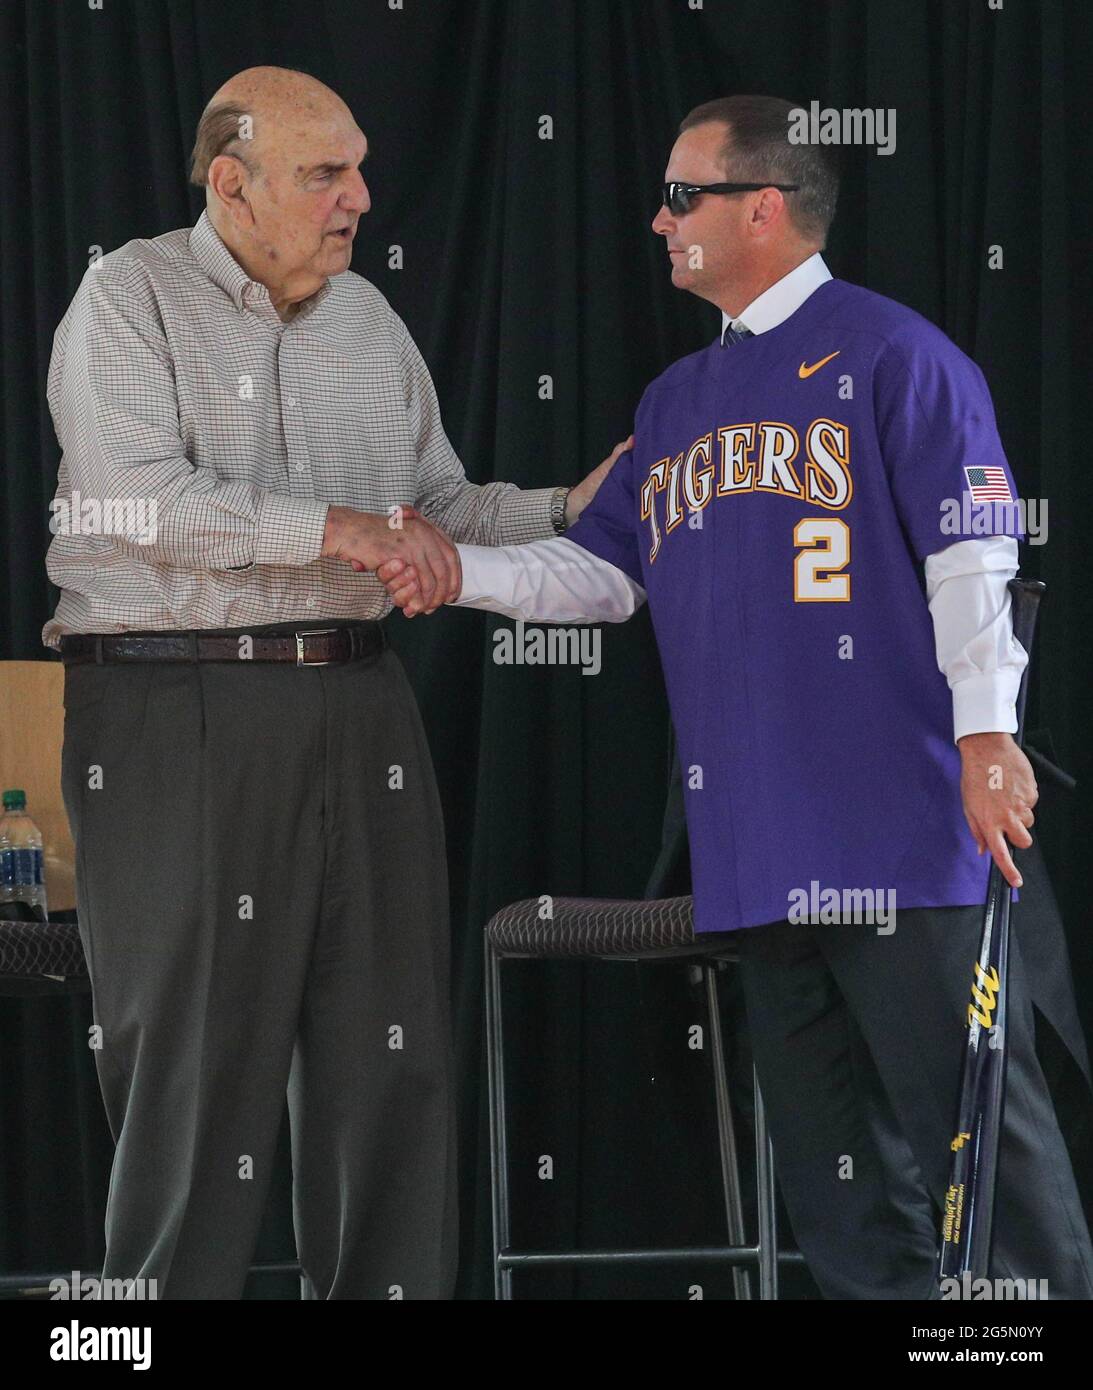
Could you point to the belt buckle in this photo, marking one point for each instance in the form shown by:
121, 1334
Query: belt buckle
316, 632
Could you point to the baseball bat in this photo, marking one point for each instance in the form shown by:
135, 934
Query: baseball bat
968, 1216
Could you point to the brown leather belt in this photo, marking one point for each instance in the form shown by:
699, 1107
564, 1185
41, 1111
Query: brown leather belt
305, 647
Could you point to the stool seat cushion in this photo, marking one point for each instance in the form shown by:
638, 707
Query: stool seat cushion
30, 951
602, 927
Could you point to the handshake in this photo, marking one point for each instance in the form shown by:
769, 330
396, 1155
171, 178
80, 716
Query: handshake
414, 560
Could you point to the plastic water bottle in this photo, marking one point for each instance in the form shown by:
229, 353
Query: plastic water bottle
5, 891
21, 855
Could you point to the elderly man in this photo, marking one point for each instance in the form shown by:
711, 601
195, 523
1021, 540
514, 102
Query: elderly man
842, 674
261, 877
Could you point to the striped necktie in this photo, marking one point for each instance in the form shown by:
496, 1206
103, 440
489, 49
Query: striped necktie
734, 335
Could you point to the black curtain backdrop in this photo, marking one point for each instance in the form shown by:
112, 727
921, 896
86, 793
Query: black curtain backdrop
524, 257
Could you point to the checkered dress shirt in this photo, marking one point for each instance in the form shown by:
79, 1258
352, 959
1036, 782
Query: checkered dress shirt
181, 400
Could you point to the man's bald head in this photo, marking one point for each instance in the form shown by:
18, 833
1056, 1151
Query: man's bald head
279, 156
256, 99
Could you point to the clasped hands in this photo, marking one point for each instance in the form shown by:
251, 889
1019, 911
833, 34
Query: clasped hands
414, 559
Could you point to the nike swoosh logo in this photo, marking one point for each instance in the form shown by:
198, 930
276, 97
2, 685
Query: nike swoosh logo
803, 371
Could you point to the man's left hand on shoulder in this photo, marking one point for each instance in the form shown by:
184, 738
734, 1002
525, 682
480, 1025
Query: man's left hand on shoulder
998, 787
580, 496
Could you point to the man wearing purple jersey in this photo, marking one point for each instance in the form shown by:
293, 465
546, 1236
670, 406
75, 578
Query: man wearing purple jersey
837, 647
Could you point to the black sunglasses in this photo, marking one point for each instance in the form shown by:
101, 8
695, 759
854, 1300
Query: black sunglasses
680, 197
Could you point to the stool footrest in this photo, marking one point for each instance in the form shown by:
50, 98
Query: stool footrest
720, 1254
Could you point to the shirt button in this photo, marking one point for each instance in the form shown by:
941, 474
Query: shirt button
291, 401
299, 468
311, 603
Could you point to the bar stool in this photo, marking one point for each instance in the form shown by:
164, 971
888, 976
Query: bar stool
43, 958
656, 930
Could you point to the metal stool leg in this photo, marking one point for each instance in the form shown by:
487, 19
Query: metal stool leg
726, 1134
499, 1172
768, 1216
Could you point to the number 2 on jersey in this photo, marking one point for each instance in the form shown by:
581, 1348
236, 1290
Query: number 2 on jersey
826, 542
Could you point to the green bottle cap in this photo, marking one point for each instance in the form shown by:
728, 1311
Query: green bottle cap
15, 799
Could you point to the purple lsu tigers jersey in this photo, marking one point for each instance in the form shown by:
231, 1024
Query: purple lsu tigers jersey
777, 505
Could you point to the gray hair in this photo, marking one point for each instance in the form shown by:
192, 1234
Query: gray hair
218, 133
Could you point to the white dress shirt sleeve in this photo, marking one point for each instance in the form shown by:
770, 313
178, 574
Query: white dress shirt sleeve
552, 580
973, 631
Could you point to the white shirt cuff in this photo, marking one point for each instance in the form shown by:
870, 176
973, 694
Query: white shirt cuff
986, 704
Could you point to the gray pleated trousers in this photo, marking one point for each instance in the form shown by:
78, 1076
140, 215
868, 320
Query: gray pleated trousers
263, 902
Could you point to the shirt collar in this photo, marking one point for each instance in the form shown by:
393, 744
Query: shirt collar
781, 299
224, 270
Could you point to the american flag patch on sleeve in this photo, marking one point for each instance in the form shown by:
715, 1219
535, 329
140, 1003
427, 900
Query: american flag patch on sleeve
988, 485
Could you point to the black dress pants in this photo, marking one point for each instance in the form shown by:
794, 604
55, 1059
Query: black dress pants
857, 1038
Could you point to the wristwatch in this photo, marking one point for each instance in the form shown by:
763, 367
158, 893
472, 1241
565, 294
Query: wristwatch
557, 509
